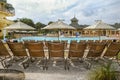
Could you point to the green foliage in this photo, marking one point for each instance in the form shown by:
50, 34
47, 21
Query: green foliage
50, 22
39, 25
116, 25
105, 72
118, 55
28, 22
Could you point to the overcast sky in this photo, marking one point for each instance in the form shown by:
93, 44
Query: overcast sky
87, 11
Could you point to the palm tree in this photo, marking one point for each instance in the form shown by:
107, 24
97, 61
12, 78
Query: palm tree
105, 72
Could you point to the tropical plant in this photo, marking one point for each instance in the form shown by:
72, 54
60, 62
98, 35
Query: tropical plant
104, 72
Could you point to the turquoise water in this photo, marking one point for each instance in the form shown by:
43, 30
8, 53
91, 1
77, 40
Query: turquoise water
37, 38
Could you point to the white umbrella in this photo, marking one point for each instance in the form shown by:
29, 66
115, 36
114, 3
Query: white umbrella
58, 25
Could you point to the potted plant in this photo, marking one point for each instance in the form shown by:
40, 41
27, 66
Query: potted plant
105, 72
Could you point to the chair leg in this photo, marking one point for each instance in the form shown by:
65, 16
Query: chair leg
25, 63
6, 64
32, 60
3, 64
46, 64
66, 66
88, 64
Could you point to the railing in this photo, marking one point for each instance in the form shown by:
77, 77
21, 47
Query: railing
8, 11
8, 8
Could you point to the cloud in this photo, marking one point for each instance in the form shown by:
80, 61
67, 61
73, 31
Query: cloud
51, 10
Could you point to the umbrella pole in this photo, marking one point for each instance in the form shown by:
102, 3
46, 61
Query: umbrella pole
99, 35
58, 34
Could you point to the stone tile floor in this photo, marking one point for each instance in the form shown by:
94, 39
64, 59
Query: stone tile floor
34, 72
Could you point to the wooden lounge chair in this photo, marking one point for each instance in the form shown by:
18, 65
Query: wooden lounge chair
112, 51
19, 52
56, 53
95, 52
36, 50
4, 54
76, 51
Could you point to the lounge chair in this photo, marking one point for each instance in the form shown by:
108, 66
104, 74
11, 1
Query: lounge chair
95, 52
76, 51
19, 53
56, 53
36, 50
112, 51
4, 55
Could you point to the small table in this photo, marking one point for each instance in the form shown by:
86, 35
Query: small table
11, 74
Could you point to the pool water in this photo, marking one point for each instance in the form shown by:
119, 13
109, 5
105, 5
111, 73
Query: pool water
40, 38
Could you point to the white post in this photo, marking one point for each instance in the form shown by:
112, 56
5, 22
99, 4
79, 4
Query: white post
4, 34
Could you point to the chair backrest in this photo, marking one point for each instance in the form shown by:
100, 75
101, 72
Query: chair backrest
82, 40
113, 49
3, 50
73, 41
108, 42
56, 41
96, 49
97, 41
56, 49
89, 43
77, 49
18, 49
36, 49
27, 41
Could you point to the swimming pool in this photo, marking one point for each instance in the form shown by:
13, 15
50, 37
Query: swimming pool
40, 38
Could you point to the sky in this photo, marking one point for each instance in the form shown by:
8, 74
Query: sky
86, 11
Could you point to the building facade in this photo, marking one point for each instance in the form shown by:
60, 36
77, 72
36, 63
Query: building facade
6, 10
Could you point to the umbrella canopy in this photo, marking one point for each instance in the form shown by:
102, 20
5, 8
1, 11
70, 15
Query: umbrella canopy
19, 26
58, 25
100, 25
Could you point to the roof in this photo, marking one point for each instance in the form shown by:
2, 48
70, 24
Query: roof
74, 19
19, 26
58, 25
99, 25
